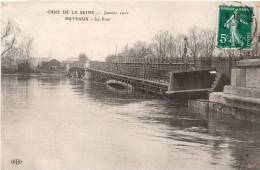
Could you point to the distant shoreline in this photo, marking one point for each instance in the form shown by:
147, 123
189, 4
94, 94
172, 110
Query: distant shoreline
35, 74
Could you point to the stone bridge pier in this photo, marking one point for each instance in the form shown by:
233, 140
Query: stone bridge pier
241, 99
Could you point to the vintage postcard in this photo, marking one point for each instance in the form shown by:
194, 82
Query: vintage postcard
130, 85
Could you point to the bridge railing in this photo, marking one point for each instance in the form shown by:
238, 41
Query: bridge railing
151, 71
158, 69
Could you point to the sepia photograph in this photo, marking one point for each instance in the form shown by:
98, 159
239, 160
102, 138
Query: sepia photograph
130, 85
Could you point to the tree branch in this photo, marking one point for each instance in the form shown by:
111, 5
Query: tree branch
7, 49
6, 31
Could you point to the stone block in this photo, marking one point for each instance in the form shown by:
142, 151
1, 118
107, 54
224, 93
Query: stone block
220, 111
233, 76
249, 63
199, 107
253, 77
217, 97
238, 77
256, 93
231, 100
242, 91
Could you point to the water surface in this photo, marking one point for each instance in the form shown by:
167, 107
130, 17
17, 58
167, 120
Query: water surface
62, 124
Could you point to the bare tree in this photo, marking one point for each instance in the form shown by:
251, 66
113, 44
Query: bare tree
8, 37
28, 42
172, 48
83, 58
208, 42
131, 53
194, 41
140, 50
161, 42
180, 43
111, 58
125, 52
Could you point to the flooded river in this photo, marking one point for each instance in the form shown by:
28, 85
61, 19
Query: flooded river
62, 124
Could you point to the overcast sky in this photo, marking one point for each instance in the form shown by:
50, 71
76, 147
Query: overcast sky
55, 36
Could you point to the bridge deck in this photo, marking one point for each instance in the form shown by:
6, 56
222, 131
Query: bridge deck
130, 77
188, 91
198, 83
189, 94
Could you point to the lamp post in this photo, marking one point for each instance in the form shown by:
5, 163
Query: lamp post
185, 49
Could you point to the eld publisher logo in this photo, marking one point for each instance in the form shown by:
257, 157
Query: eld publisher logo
16, 161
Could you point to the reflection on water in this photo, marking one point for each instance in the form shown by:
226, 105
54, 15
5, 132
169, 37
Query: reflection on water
56, 123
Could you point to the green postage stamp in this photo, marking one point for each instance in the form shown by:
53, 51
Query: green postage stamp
235, 27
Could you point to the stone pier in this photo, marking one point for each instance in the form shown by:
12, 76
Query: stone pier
241, 99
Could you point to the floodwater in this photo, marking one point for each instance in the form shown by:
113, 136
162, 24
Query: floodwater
62, 124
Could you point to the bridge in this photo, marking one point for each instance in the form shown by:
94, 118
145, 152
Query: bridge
76, 72
173, 79
139, 83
